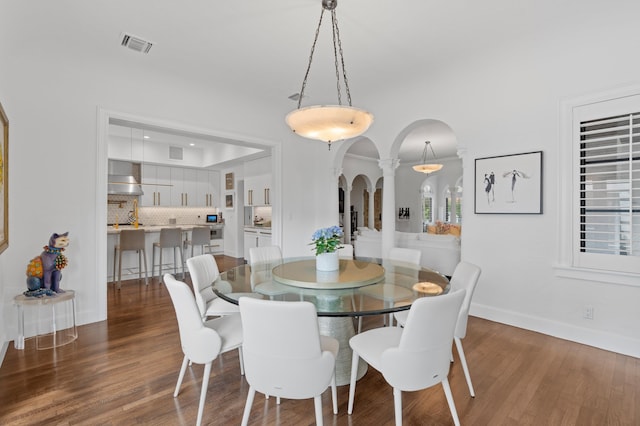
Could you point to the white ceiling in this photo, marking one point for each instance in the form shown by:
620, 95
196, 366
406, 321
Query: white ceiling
262, 47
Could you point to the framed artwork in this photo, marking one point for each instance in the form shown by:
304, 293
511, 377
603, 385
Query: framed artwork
509, 184
228, 181
4, 182
228, 201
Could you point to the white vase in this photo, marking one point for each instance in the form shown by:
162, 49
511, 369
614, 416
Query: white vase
328, 262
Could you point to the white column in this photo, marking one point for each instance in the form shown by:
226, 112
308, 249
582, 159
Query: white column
347, 213
334, 199
372, 191
388, 167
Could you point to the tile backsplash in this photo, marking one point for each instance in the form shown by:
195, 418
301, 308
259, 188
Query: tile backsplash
119, 206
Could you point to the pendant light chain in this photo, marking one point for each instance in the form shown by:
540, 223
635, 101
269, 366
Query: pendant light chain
329, 123
313, 48
334, 20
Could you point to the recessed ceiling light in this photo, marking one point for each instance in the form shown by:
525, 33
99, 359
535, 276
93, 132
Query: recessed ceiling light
192, 144
147, 137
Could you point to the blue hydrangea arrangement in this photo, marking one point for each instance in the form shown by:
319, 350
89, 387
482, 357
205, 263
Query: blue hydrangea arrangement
327, 240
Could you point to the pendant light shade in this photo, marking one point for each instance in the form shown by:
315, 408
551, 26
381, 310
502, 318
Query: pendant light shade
329, 123
425, 166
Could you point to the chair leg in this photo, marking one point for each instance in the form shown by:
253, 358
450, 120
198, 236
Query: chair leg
241, 357
355, 358
334, 393
317, 403
452, 405
203, 392
183, 369
465, 368
397, 404
247, 406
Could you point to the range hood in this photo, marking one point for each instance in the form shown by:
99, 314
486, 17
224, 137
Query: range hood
123, 185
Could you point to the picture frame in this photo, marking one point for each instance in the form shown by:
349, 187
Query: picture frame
509, 184
228, 181
4, 176
229, 201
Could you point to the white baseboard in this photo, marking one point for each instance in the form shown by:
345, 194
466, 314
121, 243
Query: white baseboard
596, 338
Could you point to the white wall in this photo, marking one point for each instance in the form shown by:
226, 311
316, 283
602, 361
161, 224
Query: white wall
506, 100
503, 100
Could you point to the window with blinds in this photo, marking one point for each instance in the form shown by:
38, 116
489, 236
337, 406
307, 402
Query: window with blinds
609, 179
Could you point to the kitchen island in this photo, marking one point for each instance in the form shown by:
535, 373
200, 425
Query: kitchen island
130, 268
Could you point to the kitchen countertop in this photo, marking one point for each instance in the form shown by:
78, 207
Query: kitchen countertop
258, 228
157, 228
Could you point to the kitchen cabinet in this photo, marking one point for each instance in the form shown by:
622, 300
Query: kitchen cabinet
256, 238
183, 187
156, 185
207, 188
257, 190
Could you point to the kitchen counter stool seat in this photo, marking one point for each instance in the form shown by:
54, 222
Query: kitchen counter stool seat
200, 236
169, 238
130, 239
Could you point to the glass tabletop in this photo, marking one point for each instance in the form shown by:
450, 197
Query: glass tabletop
361, 286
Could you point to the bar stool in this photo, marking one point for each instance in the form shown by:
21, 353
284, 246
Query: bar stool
169, 237
200, 236
130, 239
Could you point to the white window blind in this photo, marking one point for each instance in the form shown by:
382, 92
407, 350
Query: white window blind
609, 193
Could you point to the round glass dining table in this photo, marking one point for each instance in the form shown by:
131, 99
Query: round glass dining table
361, 287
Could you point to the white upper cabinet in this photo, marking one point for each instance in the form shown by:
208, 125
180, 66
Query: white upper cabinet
156, 185
257, 190
183, 187
207, 188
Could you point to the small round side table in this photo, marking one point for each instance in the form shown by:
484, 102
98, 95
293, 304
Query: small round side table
55, 319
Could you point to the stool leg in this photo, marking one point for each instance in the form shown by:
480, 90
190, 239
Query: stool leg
146, 273
119, 269
160, 264
115, 255
139, 264
182, 260
175, 262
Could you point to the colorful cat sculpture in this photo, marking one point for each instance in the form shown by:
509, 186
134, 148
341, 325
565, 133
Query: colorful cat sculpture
44, 271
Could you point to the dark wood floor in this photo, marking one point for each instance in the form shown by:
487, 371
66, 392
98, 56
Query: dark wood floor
123, 371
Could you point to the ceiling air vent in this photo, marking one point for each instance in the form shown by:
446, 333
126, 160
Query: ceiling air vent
175, 153
136, 43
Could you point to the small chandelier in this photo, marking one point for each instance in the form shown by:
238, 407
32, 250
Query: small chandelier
329, 123
424, 166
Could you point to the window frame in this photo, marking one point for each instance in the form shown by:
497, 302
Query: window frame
571, 262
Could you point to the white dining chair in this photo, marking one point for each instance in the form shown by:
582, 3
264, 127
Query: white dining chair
201, 342
465, 276
407, 255
203, 271
262, 260
392, 293
284, 353
346, 251
414, 357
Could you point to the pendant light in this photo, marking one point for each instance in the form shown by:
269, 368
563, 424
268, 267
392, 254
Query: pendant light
329, 123
425, 166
